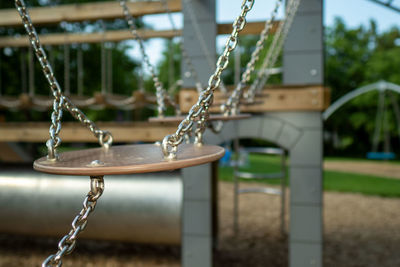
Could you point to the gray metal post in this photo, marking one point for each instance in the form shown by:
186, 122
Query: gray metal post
196, 217
205, 15
197, 210
303, 64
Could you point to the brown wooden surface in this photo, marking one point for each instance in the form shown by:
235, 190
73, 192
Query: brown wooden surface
276, 98
127, 159
86, 11
75, 38
213, 117
251, 28
75, 132
114, 36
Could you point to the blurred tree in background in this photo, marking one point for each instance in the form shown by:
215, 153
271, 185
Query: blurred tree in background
124, 69
354, 58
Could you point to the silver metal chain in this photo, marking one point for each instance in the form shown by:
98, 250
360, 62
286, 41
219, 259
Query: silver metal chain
60, 101
68, 243
192, 71
202, 41
274, 51
161, 93
232, 104
200, 109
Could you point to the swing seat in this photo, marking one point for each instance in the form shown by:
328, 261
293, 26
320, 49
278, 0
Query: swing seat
381, 155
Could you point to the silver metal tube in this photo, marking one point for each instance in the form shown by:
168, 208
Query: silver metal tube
143, 208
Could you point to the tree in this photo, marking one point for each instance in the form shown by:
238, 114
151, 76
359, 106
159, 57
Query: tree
357, 57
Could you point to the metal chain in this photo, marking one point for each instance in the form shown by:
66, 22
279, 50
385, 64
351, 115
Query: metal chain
161, 93
192, 72
170, 142
68, 243
105, 137
202, 41
273, 52
60, 101
232, 104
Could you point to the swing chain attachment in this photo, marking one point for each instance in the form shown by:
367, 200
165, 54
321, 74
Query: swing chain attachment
160, 91
60, 101
231, 107
68, 243
170, 142
273, 52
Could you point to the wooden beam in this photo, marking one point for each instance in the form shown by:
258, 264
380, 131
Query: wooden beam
277, 98
83, 12
254, 28
75, 132
116, 36
76, 38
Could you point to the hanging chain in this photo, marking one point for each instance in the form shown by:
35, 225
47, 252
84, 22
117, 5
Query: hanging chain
192, 72
170, 142
202, 41
232, 104
274, 51
68, 243
60, 101
161, 93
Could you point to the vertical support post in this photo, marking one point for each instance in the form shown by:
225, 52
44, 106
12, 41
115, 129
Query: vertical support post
303, 64
205, 14
199, 193
196, 216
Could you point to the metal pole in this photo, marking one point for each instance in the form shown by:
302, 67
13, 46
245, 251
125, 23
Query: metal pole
67, 88
31, 73
236, 189
303, 63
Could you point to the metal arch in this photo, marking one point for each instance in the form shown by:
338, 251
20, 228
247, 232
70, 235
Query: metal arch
380, 86
388, 4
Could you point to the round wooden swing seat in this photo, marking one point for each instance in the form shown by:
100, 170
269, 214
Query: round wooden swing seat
127, 159
213, 117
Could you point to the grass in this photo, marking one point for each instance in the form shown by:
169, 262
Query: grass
333, 181
394, 162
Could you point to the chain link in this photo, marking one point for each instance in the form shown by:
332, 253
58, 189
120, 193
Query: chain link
161, 93
274, 51
68, 243
232, 104
170, 142
202, 41
192, 72
60, 100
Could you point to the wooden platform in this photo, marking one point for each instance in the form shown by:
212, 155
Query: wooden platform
127, 159
212, 117
277, 98
75, 132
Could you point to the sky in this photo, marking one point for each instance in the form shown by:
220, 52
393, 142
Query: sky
353, 12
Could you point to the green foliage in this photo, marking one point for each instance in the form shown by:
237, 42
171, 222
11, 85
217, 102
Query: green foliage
246, 47
357, 57
13, 76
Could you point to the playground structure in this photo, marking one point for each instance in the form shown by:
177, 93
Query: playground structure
381, 122
297, 128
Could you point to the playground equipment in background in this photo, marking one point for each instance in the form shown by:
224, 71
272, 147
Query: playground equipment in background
241, 174
381, 121
108, 160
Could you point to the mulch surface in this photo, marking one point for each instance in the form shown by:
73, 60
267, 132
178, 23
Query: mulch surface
379, 168
359, 231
